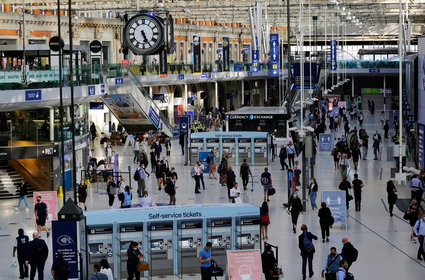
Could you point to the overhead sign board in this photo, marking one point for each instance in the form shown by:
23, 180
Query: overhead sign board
325, 142
33, 95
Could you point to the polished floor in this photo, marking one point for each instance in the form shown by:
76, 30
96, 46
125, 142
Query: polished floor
385, 249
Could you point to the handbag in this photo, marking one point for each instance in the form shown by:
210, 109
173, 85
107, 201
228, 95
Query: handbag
406, 216
272, 191
216, 270
349, 197
238, 200
142, 266
121, 196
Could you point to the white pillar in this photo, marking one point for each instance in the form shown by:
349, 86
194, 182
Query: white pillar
185, 98
216, 95
150, 91
52, 125
265, 91
68, 113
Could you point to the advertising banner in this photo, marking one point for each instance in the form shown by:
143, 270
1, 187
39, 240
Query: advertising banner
197, 68
202, 156
50, 199
335, 200
274, 55
226, 54
244, 265
333, 55
64, 239
184, 123
163, 66
154, 117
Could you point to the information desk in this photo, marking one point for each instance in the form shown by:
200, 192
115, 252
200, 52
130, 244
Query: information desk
252, 146
170, 237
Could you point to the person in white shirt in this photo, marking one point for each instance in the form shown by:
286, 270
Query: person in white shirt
342, 271
198, 171
121, 185
235, 193
106, 269
146, 200
136, 150
419, 230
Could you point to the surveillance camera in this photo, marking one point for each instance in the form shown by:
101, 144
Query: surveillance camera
314, 99
293, 128
309, 128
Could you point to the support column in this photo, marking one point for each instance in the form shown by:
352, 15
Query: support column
242, 92
52, 125
385, 97
265, 91
352, 86
150, 91
185, 98
216, 96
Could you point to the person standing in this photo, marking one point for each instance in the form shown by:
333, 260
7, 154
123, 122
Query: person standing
223, 170
23, 194
230, 181
282, 156
295, 208
158, 149
105, 268
40, 212
325, 221
296, 177
268, 262
202, 174
331, 265
60, 268
97, 274
312, 193
365, 145
416, 188
290, 151
305, 243
412, 214
419, 230
141, 186
245, 172
153, 160
22, 247
170, 188
111, 189
235, 194
197, 175
159, 173
335, 154
37, 256
82, 195
392, 196
345, 186
386, 129
360, 118
181, 141
136, 150
346, 128
133, 258
266, 182
205, 259
211, 161
93, 131
348, 252
126, 202
167, 143
377, 140
357, 186
265, 220
343, 165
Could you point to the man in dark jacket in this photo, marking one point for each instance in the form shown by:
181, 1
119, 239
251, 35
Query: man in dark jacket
230, 180
23, 194
282, 156
268, 262
348, 252
245, 172
21, 246
305, 243
60, 268
38, 253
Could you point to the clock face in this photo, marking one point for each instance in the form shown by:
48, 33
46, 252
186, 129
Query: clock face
144, 34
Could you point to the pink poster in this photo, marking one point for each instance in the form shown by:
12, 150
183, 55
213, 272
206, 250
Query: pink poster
244, 265
50, 199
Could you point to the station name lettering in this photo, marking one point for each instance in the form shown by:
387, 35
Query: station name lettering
175, 215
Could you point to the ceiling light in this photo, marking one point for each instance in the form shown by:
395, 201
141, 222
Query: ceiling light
343, 8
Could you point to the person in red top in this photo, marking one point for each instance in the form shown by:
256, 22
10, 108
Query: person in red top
265, 220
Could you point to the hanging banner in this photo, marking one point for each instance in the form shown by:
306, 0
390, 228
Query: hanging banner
226, 54
64, 239
333, 55
197, 54
50, 199
274, 55
163, 69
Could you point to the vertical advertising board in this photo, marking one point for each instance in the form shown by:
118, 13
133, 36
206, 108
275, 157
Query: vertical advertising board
226, 54
244, 265
197, 54
274, 54
50, 199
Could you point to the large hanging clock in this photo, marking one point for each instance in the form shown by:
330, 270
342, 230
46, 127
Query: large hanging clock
144, 34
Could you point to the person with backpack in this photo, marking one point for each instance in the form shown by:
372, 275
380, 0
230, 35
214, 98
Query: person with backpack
342, 273
136, 150
170, 188
60, 268
291, 152
325, 220
97, 274
348, 252
22, 189
126, 202
140, 177
419, 230
210, 162
305, 244
111, 189
283, 156
266, 182
331, 265
245, 172
22, 247
37, 256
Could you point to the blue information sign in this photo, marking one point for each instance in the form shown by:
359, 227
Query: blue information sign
91, 90
184, 123
335, 200
154, 117
421, 141
255, 61
31, 95
202, 156
274, 54
119, 81
64, 239
325, 142
102, 88
180, 77
333, 55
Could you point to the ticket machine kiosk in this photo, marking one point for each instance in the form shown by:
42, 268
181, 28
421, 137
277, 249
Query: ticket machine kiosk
261, 151
196, 146
214, 144
229, 147
220, 235
99, 245
127, 234
244, 146
190, 244
160, 248
247, 233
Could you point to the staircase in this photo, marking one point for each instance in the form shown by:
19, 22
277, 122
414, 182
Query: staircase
9, 178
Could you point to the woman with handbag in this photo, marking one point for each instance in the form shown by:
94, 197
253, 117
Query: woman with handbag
134, 256
412, 214
325, 220
265, 220
392, 196
345, 186
295, 207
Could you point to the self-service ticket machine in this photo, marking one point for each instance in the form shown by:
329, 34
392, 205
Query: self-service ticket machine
244, 147
248, 233
214, 144
127, 234
229, 147
219, 232
99, 245
160, 248
260, 151
190, 244
196, 146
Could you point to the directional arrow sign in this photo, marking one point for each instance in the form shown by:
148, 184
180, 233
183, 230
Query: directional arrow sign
335, 200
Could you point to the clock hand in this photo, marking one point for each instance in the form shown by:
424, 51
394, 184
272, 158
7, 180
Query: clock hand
144, 36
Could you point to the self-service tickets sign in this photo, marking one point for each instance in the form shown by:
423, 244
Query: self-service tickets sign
244, 265
50, 199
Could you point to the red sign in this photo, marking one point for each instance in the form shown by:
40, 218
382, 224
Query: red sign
244, 265
50, 199
125, 63
330, 106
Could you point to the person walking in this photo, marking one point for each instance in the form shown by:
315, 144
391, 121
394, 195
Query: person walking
97, 274
245, 172
348, 252
331, 265
386, 129
341, 273
211, 162
345, 186
290, 150
167, 143
141, 185
170, 188
160, 170
181, 142
40, 212
268, 262
355, 154
126, 202
82, 195
283, 155
158, 149
143, 158
266, 182
205, 259
296, 177
305, 244
412, 214
109, 153
37, 256
265, 220
391, 196
377, 140
22, 248
111, 189
197, 175
230, 181
295, 208
365, 145
325, 220
201, 177
416, 188
357, 186
22, 189
312, 193
419, 230
153, 160
335, 154
105, 268
60, 267
136, 150
343, 165
93, 131
223, 169
346, 128
133, 258
360, 118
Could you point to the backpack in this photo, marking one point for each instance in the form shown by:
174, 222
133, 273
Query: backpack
136, 175
307, 244
208, 159
193, 172
39, 253
354, 255
62, 270
348, 275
